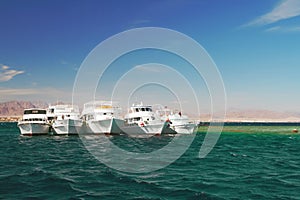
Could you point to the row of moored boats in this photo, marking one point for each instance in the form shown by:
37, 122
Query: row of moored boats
103, 117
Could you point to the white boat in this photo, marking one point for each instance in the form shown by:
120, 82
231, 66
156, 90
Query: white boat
65, 119
34, 122
181, 123
142, 120
101, 117
177, 122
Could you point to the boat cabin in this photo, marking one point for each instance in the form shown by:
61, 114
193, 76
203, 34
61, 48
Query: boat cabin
34, 111
34, 114
140, 114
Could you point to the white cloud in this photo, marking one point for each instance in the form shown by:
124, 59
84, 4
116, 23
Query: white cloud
16, 92
4, 67
6, 73
284, 10
273, 29
283, 29
293, 29
29, 91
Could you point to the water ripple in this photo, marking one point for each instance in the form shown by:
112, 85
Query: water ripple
241, 166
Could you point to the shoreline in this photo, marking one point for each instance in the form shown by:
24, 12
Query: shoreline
10, 118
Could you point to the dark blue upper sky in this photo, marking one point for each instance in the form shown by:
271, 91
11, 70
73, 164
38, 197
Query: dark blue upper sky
254, 43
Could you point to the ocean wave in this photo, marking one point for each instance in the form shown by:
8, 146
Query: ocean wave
241, 166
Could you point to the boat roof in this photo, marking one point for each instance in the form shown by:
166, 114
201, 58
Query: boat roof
100, 103
35, 109
140, 105
63, 106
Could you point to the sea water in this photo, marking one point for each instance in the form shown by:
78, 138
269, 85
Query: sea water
248, 162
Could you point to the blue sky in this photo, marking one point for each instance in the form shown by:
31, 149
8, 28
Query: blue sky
255, 44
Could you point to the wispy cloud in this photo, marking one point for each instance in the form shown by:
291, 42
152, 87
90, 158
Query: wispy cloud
293, 29
7, 74
273, 29
4, 67
284, 10
282, 29
46, 94
16, 92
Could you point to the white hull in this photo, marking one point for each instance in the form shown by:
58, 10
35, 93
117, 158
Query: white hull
34, 128
178, 123
183, 128
105, 126
141, 120
67, 127
134, 129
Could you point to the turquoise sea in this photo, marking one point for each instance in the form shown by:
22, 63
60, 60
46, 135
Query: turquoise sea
248, 162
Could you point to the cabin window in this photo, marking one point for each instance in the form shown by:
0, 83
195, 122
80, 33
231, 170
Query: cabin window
136, 119
35, 112
104, 113
136, 110
143, 109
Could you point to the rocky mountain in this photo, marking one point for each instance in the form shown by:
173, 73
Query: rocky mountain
16, 108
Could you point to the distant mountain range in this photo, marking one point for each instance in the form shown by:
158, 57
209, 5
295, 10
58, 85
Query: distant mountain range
16, 108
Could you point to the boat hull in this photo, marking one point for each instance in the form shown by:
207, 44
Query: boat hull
34, 128
183, 128
67, 127
135, 129
105, 126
